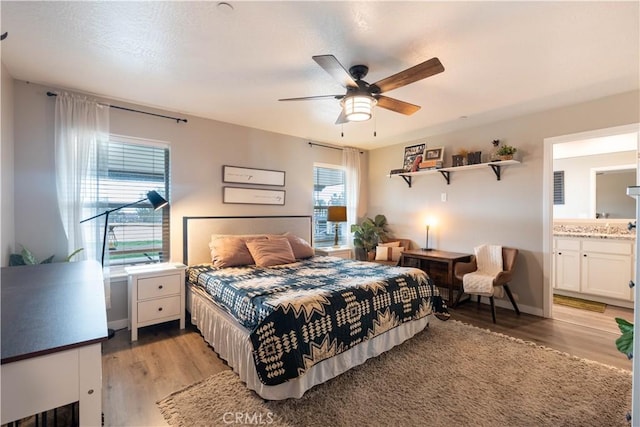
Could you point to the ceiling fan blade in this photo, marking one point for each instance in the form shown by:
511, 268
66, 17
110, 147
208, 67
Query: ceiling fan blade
310, 98
332, 66
397, 105
410, 75
342, 118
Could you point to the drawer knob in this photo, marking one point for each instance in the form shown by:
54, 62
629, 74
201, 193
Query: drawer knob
90, 391
585, 255
160, 309
631, 226
160, 287
631, 284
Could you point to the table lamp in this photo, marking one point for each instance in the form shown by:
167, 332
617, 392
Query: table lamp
336, 214
428, 223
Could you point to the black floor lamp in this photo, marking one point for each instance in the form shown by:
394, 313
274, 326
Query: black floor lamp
156, 200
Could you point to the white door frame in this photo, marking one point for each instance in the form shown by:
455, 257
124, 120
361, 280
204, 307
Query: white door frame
547, 199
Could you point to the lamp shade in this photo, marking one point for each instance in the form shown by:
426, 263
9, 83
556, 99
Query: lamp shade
337, 213
157, 201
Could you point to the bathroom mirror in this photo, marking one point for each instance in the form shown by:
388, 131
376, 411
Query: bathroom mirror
610, 200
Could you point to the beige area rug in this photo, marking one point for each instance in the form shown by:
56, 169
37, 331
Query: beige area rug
450, 374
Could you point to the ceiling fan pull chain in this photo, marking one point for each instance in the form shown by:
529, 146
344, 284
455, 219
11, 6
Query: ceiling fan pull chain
342, 130
375, 125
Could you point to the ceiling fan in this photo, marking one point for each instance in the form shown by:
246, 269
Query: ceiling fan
361, 96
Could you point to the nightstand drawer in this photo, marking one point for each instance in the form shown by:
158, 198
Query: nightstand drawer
158, 308
160, 286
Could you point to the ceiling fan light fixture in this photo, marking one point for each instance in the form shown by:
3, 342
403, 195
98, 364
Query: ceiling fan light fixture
357, 108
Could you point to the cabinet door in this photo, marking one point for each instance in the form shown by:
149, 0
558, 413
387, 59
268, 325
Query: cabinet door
567, 266
606, 274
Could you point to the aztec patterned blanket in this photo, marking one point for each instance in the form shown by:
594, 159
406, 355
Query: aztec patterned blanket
302, 313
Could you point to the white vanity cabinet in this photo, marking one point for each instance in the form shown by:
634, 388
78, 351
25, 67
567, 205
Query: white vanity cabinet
601, 267
607, 268
567, 264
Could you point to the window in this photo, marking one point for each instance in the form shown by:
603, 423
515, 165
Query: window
127, 169
558, 187
328, 190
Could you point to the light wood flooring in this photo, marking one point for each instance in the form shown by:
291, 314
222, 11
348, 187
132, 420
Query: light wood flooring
165, 359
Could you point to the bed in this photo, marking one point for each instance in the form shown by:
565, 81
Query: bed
285, 325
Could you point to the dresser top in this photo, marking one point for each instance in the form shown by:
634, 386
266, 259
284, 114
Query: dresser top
48, 308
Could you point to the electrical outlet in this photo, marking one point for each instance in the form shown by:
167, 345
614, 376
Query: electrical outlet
443, 197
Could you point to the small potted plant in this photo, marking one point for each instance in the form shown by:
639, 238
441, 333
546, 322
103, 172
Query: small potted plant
505, 152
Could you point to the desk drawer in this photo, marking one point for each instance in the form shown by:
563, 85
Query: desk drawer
160, 286
158, 308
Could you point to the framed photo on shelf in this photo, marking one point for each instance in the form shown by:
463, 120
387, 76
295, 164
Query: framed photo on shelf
239, 175
411, 155
434, 154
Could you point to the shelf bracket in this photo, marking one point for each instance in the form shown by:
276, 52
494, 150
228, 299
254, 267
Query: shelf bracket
407, 179
446, 175
496, 170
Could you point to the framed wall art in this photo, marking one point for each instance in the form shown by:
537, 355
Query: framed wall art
240, 175
436, 154
411, 154
252, 196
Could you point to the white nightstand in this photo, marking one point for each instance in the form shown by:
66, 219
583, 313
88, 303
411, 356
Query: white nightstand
340, 251
156, 295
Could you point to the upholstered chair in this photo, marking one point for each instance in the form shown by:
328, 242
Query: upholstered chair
502, 279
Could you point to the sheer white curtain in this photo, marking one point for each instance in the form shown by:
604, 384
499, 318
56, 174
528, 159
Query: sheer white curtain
351, 164
81, 127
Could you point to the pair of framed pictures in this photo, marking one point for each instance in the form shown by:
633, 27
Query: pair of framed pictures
414, 155
253, 176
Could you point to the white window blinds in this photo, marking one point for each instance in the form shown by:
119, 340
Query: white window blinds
127, 170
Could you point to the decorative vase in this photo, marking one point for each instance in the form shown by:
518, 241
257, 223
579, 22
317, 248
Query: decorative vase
506, 157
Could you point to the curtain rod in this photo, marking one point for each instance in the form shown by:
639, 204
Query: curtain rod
178, 120
311, 144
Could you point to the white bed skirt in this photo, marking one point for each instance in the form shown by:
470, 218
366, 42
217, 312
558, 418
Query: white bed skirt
231, 341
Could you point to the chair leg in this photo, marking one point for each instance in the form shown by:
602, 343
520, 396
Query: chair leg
493, 309
478, 300
513, 301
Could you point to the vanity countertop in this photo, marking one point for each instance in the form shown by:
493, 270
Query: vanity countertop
588, 235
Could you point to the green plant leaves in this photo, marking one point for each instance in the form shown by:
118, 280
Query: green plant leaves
625, 342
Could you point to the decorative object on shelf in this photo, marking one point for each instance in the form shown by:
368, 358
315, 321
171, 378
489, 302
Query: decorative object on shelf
416, 163
396, 171
494, 152
235, 174
367, 235
506, 152
252, 196
436, 154
410, 154
430, 222
474, 157
431, 164
336, 214
460, 159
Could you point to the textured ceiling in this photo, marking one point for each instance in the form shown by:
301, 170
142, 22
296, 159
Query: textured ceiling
501, 59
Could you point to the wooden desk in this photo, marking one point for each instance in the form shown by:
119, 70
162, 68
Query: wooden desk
438, 265
53, 322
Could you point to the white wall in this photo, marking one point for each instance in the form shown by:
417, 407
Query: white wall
479, 208
577, 180
199, 149
7, 235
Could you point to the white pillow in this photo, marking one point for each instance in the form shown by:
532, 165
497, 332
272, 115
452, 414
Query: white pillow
387, 253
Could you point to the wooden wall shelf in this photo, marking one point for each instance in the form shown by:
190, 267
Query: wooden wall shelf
446, 172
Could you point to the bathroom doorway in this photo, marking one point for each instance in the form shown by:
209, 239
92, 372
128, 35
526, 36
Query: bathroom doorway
574, 167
